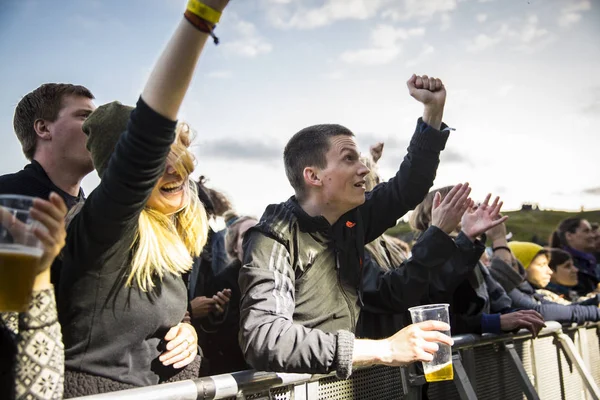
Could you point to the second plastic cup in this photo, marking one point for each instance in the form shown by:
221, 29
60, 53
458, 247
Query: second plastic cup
440, 368
20, 252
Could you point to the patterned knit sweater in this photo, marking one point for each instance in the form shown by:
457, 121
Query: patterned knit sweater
32, 362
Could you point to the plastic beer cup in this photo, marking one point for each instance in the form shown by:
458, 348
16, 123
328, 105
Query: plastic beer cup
440, 368
20, 252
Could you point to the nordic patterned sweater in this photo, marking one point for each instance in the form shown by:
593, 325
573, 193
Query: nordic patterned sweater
32, 357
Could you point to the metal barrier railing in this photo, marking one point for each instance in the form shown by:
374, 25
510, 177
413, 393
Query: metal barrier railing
470, 352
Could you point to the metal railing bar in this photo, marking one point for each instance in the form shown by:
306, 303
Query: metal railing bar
522, 376
461, 380
472, 340
571, 351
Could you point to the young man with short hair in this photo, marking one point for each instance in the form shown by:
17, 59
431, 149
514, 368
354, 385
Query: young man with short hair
48, 122
304, 280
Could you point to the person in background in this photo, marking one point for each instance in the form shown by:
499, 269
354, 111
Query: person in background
38, 374
478, 303
574, 235
563, 280
122, 299
205, 308
596, 235
534, 259
386, 254
223, 349
47, 122
220, 260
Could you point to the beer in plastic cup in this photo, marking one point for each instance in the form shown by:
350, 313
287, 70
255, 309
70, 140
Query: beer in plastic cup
20, 252
440, 368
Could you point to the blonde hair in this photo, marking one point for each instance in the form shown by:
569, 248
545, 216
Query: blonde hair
420, 218
386, 252
167, 243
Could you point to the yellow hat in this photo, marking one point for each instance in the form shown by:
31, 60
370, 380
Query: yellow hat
525, 252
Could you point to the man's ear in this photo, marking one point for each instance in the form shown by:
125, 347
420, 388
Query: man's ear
42, 129
311, 177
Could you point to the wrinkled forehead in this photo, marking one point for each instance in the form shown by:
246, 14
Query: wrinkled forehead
340, 143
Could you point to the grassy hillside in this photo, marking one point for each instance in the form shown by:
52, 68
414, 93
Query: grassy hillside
524, 225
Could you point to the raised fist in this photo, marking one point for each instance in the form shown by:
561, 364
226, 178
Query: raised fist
429, 91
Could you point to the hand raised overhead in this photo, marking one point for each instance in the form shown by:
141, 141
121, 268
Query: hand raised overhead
446, 214
429, 91
477, 220
376, 151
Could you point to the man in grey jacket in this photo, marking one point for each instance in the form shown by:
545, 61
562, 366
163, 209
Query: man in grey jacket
304, 280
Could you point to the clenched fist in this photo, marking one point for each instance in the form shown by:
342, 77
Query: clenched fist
432, 93
429, 91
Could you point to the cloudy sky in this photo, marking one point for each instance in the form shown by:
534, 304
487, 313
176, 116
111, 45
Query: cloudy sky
522, 80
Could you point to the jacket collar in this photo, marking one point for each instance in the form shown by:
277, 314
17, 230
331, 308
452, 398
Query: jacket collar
307, 223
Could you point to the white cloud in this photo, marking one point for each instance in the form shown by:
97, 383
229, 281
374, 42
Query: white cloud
528, 37
571, 14
483, 42
219, 74
427, 51
387, 45
424, 10
249, 42
372, 56
301, 17
295, 14
481, 18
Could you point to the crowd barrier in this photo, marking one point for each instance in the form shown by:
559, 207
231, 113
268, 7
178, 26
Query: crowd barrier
563, 363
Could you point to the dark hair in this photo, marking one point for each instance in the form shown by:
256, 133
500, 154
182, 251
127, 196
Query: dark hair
307, 148
420, 218
44, 103
233, 234
558, 238
558, 257
220, 202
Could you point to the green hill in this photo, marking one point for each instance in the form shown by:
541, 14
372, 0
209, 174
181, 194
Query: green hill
525, 225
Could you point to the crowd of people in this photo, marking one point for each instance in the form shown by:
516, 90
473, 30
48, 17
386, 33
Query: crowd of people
137, 288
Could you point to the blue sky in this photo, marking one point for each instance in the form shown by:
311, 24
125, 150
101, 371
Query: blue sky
522, 79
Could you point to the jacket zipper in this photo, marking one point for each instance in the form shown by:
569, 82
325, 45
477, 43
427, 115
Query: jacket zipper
350, 309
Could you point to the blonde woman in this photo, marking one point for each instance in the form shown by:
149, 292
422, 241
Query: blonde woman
121, 297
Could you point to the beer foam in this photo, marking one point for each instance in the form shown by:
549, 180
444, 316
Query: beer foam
20, 249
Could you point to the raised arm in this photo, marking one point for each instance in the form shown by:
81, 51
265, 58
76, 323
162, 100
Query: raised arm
139, 155
391, 200
172, 73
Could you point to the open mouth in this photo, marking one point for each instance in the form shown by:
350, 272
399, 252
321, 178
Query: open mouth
171, 188
360, 184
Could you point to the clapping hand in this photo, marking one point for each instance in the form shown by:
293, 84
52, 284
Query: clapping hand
477, 220
446, 214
